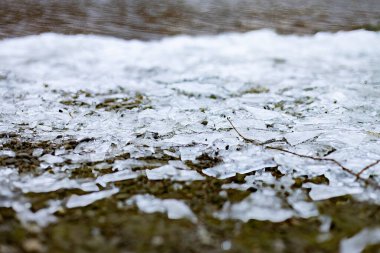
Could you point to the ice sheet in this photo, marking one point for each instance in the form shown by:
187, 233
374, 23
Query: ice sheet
358, 242
160, 101
175, 209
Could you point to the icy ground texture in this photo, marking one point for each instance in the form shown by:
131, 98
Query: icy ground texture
315, 95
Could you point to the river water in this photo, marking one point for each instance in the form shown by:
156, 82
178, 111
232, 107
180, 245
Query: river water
146, 19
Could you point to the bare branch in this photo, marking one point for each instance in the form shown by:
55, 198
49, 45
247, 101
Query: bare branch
367, 167
351, 172
257, 143
313, 158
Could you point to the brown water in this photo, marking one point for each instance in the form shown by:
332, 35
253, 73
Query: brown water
149, 19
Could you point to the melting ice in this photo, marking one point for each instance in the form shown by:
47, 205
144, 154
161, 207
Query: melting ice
316, 95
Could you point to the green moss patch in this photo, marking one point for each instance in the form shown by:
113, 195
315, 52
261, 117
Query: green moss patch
256, 90
24, 160
113, 100
104, 226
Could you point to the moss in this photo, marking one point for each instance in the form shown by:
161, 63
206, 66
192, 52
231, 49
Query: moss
105, 226
124, 100
12, 233
109, 225
74, 103
24, 160
8, 135
201, 196
279, 105
376, 134
372, 248
279, 60
40, 200
240, 178
256, 90
299, 181
197, 95
275, 172
349, 216
204, 161
304, 100
157, 157
293, 107
123, 103
89, 169
234, 195
123, 230
82, 172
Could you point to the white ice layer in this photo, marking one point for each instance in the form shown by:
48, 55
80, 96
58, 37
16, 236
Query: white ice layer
316, 95
87, 199
175, 209
358, 242
263, 205
173, 173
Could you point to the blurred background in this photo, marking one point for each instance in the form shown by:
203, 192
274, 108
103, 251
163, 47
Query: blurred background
149, 19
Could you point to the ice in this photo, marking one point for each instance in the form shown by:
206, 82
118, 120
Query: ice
38, 152
262, 114
42, 217
258, 202
190, 153
7, 177
300, 137
51, 159
175, 209
326, 223
49, 183
87, 199
261, 205
321, 192
226, 245
241, 162
173, 173
319, 100
9, 153
358, 242
116, 176
305, 209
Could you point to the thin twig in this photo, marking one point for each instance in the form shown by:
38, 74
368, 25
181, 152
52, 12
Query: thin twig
255, 142
367, 167
351, 172
243, 137
314, 158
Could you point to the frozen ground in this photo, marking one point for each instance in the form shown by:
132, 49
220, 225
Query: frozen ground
82, 114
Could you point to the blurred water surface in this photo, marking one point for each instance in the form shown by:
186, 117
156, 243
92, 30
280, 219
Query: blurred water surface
147, 19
